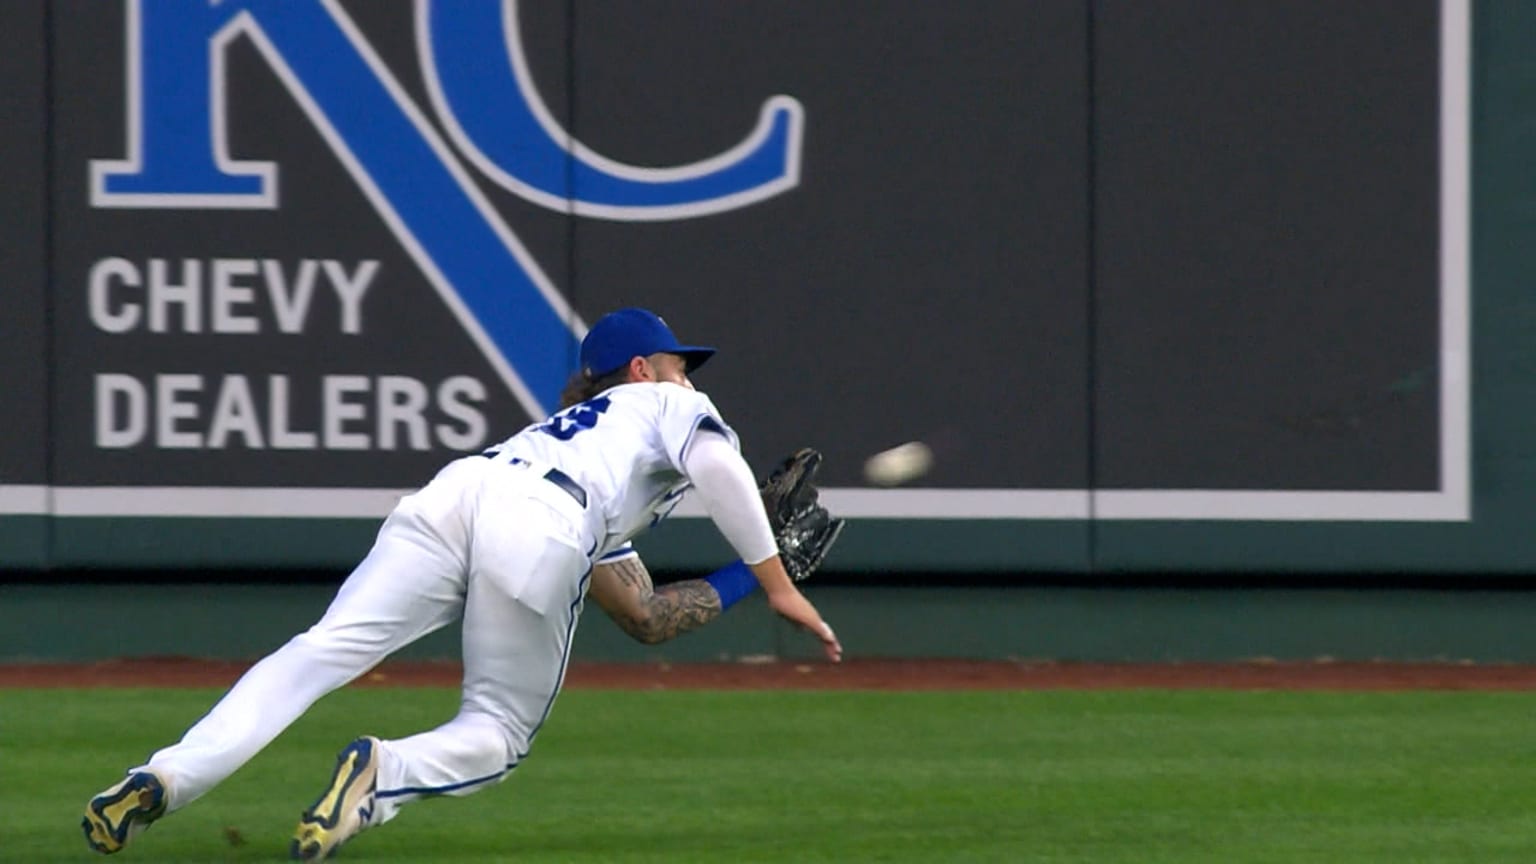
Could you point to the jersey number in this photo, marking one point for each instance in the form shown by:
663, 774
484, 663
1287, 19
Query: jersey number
574, 419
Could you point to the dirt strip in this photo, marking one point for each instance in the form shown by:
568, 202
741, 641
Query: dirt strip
853, 675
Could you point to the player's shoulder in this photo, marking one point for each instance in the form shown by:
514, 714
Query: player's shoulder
686, 400
663, 396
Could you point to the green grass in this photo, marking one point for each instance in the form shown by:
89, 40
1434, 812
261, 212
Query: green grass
1140, 776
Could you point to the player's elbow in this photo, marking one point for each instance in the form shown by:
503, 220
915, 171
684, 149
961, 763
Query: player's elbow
644, 628
651, 637
653, 633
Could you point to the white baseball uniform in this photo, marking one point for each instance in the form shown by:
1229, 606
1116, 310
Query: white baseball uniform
507, 539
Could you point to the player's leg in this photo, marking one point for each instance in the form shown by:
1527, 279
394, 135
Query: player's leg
520, 615
403, 590
410, 584
525, 583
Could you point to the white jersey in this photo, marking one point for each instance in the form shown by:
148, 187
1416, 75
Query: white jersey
625, 448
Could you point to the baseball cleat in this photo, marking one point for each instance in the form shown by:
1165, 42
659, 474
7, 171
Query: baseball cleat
346, 806
122, 812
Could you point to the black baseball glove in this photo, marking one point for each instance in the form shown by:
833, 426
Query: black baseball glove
803, 528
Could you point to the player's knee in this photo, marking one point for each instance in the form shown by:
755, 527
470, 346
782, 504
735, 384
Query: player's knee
498, 735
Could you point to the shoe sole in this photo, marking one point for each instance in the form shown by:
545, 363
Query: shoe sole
110, 817
312, 839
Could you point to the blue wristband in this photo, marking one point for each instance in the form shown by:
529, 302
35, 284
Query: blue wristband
732, 582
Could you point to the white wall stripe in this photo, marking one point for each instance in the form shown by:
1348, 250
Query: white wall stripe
1279, 506
213, 501
23, 500
1006, 504
1455, 257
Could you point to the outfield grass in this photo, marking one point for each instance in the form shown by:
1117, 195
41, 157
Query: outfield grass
1140, 776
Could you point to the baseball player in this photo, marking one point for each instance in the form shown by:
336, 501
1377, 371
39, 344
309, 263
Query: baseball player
512, 540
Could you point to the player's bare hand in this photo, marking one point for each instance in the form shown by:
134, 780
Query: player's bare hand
793, 605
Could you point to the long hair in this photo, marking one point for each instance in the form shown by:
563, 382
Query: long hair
580, 386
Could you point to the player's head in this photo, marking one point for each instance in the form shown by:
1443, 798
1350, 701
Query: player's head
631, 345
619, 337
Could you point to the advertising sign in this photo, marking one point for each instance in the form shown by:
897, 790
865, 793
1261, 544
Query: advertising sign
1115, 264
322, 247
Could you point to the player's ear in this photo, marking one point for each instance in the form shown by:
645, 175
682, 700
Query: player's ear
640, 370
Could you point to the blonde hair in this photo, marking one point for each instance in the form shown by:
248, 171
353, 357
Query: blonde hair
581, 386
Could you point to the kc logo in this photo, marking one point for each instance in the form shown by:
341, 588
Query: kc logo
177, 153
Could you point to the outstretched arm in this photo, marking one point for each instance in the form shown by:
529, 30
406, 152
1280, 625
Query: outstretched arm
732, 500
624, 590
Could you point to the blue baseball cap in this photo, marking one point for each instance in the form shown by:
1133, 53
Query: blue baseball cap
619, 336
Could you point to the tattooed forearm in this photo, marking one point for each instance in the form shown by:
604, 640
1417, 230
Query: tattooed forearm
655, 615
677, 608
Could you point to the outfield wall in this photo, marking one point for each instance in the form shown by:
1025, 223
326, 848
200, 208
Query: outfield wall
1167, 285
74, 623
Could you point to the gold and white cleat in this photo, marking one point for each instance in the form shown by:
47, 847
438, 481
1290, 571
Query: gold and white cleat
122, 812
346, 806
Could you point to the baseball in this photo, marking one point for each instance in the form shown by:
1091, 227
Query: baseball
901, 464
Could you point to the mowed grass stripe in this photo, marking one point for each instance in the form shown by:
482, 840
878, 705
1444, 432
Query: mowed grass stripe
679, 776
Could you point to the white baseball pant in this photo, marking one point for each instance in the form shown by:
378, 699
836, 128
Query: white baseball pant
494, 542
